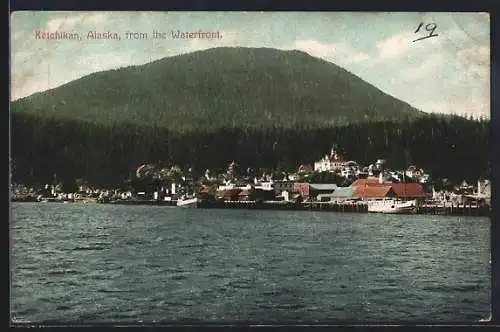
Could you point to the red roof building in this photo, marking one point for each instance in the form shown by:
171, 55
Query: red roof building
370, 182
229, 194
374, 192
401, 190
302, 188
408, 190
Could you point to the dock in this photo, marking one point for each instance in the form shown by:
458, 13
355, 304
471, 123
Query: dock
355, 207
448, 209
454, 209
144, 202
283, 205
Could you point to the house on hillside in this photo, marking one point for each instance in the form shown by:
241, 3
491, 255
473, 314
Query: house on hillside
350, 170
417, 174
362, 173
333, 162
305, 169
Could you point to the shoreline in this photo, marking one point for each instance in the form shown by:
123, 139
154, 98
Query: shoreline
360, 207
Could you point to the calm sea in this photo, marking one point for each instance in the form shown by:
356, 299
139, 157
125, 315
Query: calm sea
109, 263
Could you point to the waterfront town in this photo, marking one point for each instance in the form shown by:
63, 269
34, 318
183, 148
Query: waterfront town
331, 181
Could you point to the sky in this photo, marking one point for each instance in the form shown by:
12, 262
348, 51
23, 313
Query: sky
447, 73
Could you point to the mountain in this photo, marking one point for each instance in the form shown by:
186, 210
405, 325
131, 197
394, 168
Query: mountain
221, 87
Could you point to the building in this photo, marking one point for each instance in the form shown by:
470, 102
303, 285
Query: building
316, 189
260, 194
417, 174
375, 192
267, 185
399, 190
333, 162
244, 195
380, 164
409, 190
301, 189
305, 169
484, 188
483, 194
340, 194
350, 170
281, 186
229, 185
370, 182
228, 194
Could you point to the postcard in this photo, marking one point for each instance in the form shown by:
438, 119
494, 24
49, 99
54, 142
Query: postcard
250, 167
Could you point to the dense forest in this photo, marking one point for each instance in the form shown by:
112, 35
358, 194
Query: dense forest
106, 154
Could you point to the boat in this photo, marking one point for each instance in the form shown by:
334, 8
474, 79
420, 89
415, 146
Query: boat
393, 206
185, 201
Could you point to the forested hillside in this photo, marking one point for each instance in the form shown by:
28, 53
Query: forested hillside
221, 88
451, 147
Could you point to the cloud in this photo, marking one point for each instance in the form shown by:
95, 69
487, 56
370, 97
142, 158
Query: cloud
428, 67
64, 23
95, 18
87, 64
360, 57
395, 45
442, 73
27, 85
228, 38
316, 48
70, 21
474, 63
28, 80
339, 53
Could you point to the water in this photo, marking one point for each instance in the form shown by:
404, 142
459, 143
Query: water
107, 263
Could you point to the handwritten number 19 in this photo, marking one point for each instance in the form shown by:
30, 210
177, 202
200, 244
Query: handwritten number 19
431, 28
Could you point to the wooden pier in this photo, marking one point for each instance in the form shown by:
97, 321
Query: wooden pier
282, 205
448, 209
356, 207
144, 202
454, 209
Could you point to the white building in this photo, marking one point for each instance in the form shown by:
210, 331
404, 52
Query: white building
424, 178
230, 186
380, 164
484, 188
268, 185
330, 163
417, 174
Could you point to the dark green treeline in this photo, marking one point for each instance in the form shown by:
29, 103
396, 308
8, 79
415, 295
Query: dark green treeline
451, 147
